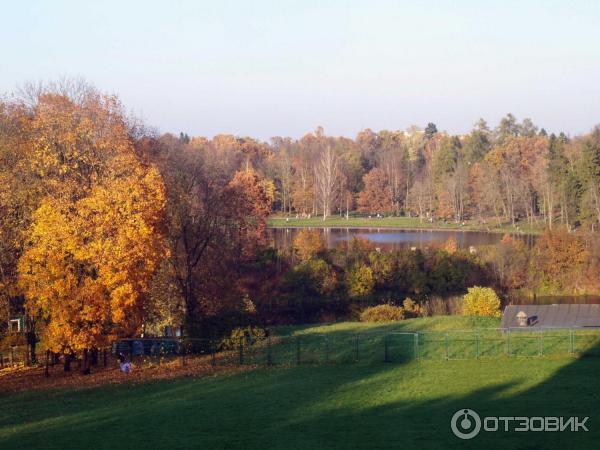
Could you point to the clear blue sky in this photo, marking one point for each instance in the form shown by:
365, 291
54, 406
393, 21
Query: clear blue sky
282, 67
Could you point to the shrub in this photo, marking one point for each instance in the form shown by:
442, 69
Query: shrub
446, 273
220, 324
248, 305
313, 276
360, 281
412, 308
481, 301
450, 246
382, 313
435, 306
360, 246
249, 335
455, 305
383, 266
443, 306
308, 244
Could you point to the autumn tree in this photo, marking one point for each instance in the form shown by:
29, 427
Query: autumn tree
216, 218
326, 176
368, 143
89, 264
96, 238
165, 306
481, 301
303, 194
450, 176
377, 193
17, 203
393, 159
283, 171
308, 244
590, 171
311, 277
558, 262
360, 280
509, 261
248, 205
450, 246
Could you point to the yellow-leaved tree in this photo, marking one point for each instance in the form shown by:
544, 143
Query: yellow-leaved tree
481, 301
96, 238
89, 263
308, 244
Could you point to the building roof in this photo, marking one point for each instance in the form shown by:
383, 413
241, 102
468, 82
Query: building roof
553, 316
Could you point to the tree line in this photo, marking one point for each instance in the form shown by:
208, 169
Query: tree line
109, 229
513, 172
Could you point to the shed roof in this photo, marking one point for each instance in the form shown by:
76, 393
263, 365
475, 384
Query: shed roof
567, 315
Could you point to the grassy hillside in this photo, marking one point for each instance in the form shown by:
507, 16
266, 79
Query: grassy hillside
435, 323
399, 222
346, 406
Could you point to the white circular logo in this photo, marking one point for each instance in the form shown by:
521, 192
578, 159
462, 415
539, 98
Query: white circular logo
465, 424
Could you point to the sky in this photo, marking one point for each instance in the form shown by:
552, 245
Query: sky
283, 67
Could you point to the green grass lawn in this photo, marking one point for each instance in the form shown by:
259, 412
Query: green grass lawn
399, 222
431, 338
330, 406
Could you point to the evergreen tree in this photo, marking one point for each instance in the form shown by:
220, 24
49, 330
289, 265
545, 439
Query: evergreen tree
430, 130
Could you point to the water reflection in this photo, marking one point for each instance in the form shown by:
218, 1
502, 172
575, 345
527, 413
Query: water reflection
390, 239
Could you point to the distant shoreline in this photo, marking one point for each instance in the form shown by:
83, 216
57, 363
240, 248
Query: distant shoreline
367, 224
392, 228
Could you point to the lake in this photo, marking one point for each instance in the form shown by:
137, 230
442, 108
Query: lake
393, 239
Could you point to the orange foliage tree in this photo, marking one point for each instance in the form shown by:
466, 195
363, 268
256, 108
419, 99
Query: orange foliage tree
249, 200
308, 244
558, 263
377, 194
450, 246
96, 238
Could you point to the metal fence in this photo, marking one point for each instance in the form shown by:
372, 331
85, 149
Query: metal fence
372, 347
348, 347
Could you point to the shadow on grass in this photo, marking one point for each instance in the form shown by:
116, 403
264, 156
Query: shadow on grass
350, 406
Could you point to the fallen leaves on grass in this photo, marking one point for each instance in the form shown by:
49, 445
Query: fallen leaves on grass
20, 378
